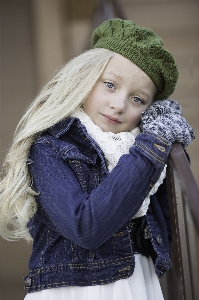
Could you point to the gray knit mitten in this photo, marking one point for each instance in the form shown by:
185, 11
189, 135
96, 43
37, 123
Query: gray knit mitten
165, 120
160, 107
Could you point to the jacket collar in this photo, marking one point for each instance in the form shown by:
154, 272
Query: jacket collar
65, 125
62, 127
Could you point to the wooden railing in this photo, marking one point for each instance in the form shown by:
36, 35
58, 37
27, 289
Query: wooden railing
107, 9
183, 203
184, 217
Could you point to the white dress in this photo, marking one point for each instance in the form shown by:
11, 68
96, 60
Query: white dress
144, 283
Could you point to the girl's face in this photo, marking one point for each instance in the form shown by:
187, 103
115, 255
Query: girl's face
120, 96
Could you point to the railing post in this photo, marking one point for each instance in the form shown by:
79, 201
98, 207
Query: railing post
181, 269
107, 9
193, 251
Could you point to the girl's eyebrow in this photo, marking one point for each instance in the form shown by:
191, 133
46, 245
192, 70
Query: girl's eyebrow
145, 94
113, 74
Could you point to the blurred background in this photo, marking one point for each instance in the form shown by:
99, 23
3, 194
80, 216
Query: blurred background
38, 36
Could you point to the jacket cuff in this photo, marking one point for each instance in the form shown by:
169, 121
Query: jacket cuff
154, 146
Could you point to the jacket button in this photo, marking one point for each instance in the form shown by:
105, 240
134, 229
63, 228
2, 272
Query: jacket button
28, 281
160, 148
159, 239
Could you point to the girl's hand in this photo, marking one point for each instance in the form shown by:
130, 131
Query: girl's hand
171, 126
158, 108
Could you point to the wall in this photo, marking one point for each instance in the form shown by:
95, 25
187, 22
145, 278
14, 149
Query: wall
38, 36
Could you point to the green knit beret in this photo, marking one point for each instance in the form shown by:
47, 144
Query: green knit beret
143, 47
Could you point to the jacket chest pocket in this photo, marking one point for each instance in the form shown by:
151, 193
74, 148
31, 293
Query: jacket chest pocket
87, 175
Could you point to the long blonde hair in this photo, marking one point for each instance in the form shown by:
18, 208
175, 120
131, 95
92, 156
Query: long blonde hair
57, 100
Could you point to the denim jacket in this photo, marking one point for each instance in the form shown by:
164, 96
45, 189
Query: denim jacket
80, 231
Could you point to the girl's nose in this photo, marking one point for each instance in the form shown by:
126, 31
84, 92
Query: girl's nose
119, 104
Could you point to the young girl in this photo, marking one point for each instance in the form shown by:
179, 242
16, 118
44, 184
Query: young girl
86, 172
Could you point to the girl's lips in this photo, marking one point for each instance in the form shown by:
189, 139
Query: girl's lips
111, 120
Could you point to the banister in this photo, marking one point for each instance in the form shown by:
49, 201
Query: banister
189, 186
107, 9
183, 205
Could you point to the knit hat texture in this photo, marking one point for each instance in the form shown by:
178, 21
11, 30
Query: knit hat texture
141, 46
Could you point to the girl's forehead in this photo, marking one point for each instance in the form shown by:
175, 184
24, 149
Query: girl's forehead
122, 68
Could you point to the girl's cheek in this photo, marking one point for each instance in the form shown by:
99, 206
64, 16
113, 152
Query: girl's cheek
139, 117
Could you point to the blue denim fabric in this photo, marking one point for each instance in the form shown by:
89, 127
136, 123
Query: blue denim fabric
80, 230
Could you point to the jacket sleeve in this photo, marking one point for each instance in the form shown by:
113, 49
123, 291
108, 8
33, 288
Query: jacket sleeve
91, 219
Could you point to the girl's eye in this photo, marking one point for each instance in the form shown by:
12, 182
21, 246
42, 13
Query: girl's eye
110, 85
137, 100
